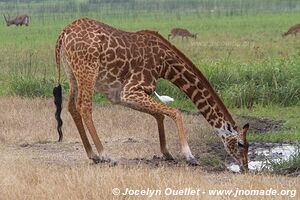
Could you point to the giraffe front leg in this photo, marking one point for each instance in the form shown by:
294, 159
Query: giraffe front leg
141, 101
162, 137
177, 117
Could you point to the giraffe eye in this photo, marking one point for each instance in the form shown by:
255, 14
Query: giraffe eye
241, 145
229, 128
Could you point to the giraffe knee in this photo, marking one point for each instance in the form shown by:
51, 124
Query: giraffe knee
176, 115
71, 105
84, 110
80, 109
72, 109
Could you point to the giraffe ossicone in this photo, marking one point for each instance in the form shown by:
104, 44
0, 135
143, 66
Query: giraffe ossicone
125, 67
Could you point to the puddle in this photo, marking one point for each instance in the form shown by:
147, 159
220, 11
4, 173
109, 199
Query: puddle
258, 153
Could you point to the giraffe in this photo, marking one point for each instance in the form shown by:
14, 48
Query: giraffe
125, 67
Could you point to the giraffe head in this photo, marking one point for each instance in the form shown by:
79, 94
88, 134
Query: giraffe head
236, 144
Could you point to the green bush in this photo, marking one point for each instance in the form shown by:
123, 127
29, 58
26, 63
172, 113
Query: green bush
30, 86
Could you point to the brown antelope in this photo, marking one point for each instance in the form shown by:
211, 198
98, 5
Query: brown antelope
125, 67
18, 20
181, 32
293, 30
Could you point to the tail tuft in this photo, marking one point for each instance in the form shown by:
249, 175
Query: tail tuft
57, 93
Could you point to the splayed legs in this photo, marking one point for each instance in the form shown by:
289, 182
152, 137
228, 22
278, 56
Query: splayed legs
141, 101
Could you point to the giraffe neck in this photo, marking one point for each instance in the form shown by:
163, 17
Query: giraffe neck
179, 70
185, 75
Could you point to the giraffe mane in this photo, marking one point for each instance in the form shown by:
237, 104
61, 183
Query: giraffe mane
197, 72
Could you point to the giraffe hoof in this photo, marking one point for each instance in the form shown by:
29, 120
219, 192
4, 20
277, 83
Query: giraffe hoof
192, 162
104, 159
113, 163
95, 159
168, 157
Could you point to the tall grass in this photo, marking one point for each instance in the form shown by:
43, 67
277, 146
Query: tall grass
246, 85
239, 85
30, 86
269, 82
243, 56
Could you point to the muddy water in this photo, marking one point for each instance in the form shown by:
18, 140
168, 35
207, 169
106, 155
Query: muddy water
271, 151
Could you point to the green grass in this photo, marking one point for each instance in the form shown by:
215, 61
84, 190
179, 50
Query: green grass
30, 86
233, 59
289, 115
277, 137
113, 7
245, 85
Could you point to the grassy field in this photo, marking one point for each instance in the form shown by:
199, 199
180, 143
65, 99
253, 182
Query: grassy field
240, 55
243, 56
239, 48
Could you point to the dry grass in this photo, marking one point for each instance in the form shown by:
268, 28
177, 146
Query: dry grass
34, 167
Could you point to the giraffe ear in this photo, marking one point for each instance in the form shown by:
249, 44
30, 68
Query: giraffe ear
236, 128
246, 127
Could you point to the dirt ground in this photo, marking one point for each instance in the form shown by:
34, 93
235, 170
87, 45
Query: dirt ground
139, 145
31, 156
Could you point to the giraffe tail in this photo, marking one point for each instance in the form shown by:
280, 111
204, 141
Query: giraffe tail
57, 91
58, 55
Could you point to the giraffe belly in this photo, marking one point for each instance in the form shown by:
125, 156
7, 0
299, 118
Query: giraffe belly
110, 90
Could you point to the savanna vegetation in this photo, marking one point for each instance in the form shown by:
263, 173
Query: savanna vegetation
239, 48
239, 45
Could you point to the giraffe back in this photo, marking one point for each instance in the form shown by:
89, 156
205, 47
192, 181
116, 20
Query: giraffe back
119, 56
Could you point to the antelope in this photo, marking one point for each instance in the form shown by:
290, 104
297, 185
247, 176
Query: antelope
293, 30
18, 20
181, 32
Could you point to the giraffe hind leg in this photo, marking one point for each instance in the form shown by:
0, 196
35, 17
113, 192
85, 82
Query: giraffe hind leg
86, 84
74, 112
84, 107
78, 120
141, 101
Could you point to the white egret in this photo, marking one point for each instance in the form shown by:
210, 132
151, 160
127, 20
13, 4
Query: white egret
164, 99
